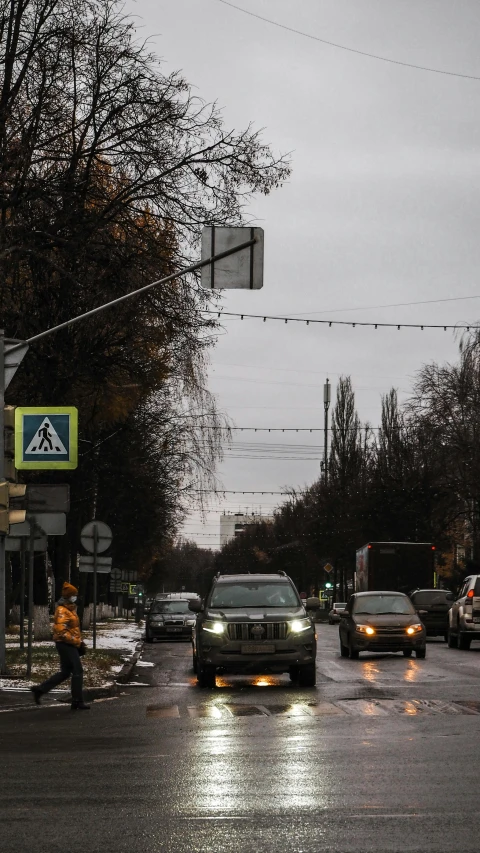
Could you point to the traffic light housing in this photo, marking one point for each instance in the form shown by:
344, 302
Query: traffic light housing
10, 516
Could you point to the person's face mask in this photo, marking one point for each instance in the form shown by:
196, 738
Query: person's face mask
73, 599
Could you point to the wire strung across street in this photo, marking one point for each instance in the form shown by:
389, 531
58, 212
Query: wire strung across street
338, 46
351, 323
230, 492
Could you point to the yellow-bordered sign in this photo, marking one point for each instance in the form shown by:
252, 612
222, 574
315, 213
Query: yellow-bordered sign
46, 437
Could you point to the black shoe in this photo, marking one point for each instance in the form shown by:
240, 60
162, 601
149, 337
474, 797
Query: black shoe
79, 705
37, 694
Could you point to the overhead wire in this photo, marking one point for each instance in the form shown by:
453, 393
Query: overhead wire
351, 323
346, 48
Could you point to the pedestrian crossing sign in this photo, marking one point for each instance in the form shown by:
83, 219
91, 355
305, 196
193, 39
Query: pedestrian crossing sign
46, 437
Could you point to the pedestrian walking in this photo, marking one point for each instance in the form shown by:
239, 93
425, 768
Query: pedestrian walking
70, 647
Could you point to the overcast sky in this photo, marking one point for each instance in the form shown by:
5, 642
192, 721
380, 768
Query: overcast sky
382, 206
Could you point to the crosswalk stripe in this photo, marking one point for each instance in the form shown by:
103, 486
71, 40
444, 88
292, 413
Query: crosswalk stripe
341, 707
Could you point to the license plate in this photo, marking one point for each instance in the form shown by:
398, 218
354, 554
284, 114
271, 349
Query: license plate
257, 649
172, 630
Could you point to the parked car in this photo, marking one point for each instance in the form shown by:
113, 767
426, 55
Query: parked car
464, 616
160, 596
381, 622
432, 605
169, 619
334, 613
254, 624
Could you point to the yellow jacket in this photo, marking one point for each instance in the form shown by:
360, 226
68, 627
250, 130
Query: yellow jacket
66, 625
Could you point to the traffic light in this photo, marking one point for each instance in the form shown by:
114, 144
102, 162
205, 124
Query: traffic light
10, 516
328, 585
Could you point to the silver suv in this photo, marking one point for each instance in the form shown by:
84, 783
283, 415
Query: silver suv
464, 615
254, 624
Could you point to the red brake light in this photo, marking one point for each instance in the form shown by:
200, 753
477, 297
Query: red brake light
369, 547
470, 593
433, 547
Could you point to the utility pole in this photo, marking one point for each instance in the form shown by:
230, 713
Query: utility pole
326, 405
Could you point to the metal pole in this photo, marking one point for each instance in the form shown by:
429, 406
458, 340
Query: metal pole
326, 406
22, 591
3, 603
95, 552
197, 266
31, 557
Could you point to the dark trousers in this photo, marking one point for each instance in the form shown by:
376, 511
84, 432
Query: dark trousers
70, 665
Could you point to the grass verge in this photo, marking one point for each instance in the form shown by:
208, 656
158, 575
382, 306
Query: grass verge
97, 665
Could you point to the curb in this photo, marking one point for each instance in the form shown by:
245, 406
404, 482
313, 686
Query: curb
124, 675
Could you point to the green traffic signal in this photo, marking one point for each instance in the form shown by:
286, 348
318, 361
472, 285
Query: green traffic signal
328, 586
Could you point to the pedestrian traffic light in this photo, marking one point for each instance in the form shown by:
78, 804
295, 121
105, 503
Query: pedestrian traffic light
10, 516
328, 585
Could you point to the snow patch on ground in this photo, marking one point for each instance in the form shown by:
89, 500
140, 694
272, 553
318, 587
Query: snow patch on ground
124, 636
144, 663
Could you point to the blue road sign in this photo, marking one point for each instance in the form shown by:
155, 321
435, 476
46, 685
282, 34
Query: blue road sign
46, 437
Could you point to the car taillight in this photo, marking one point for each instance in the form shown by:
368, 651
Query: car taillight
470, 593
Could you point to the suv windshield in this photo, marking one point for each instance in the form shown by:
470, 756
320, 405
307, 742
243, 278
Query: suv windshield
433, 597
170, 607
376, 605
254, 595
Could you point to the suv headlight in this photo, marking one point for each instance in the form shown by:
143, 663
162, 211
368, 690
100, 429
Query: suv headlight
365, 629
156, 618
190, 622
414, 629
214, 627
300, 625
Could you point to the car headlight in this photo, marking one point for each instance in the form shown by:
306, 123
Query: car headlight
214, 627
156, 618
299, 625
190, 622
414, 629
366, 629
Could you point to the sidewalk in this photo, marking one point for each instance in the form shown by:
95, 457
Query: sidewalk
117, 641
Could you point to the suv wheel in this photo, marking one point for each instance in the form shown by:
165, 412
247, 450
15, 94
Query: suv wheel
463, 642
407, 653
451, 640
149, 637
194, 663
420, 653
206, 676
307, 675
344, 650
293, 673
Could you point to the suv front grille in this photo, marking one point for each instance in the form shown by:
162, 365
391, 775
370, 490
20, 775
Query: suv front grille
250, 631
391, 630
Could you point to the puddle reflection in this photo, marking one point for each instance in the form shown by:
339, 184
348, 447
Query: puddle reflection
370, 670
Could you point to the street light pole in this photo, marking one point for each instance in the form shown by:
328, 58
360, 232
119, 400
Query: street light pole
326, 405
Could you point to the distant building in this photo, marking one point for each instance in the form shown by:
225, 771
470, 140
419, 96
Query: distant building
234, 523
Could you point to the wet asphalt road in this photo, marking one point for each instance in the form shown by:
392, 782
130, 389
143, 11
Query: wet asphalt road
381, 756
